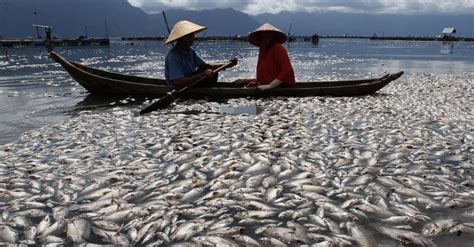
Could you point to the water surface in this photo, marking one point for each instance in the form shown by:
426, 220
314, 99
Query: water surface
35, 91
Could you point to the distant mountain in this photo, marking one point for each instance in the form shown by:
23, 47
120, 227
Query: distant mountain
219, 21
71, 18
332, 23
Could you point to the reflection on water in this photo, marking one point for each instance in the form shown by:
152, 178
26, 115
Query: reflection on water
447, 47
97, 101
35, 91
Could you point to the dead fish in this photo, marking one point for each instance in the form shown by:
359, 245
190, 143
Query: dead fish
192, 194
221, 223
463, 228
52, 240
187, 230
300, 213
255, 214
468, 213
111, 237
94, 205
142, 233
326, 243
361, 236
60, 213
7, 234
269, 241
214, 241
56, 228
78, 230
285, 234
436, 227
405, 236
300, 231
126, 215
107, 225
273, 192
254, 181
269, 182
30, 233
30, 205
245, 240
32, 213
401, 220
226, 231
459, 203
255, 205
44, 223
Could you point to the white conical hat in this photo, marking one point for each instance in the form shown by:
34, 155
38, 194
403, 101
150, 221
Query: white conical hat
183, 28
267, 27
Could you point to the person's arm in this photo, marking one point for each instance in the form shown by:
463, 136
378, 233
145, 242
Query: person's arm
216, 66
188, 80
209, 72
275, 83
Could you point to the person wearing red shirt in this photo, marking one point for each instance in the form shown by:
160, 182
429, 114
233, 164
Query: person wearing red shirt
274, 67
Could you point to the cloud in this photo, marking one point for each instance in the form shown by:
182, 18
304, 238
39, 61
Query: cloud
255, 7
160, 5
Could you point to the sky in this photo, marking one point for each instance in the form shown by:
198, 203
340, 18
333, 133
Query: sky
255, 7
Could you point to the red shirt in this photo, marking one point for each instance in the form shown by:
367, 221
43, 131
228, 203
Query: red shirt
274, 63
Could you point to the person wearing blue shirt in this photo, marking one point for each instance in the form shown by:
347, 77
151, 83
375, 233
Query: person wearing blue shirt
183, 65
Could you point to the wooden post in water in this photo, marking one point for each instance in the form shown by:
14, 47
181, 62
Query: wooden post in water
38, 36
6, 55
107, 36
49, 39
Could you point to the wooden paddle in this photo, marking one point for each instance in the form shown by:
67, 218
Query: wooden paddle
170, 97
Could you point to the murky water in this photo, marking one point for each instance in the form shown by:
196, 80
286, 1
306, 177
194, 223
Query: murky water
35, 91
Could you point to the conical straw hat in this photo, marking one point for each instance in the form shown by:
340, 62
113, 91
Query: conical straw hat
183, 28
280, 37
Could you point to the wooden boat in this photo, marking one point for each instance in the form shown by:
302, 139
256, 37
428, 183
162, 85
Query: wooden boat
104, 82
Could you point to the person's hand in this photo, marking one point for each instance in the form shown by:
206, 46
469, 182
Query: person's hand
264, 87
208, 73
251, 84
233, 61
240, 82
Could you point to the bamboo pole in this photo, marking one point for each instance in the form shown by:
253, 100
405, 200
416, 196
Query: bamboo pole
167, 26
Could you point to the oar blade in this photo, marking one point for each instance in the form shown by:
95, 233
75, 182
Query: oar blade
162, 103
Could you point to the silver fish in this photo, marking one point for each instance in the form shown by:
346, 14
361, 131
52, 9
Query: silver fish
7, 234
78, 230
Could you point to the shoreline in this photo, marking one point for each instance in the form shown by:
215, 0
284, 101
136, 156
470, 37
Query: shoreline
99, 42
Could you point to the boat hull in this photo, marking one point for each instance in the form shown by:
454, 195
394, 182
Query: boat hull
104, 82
